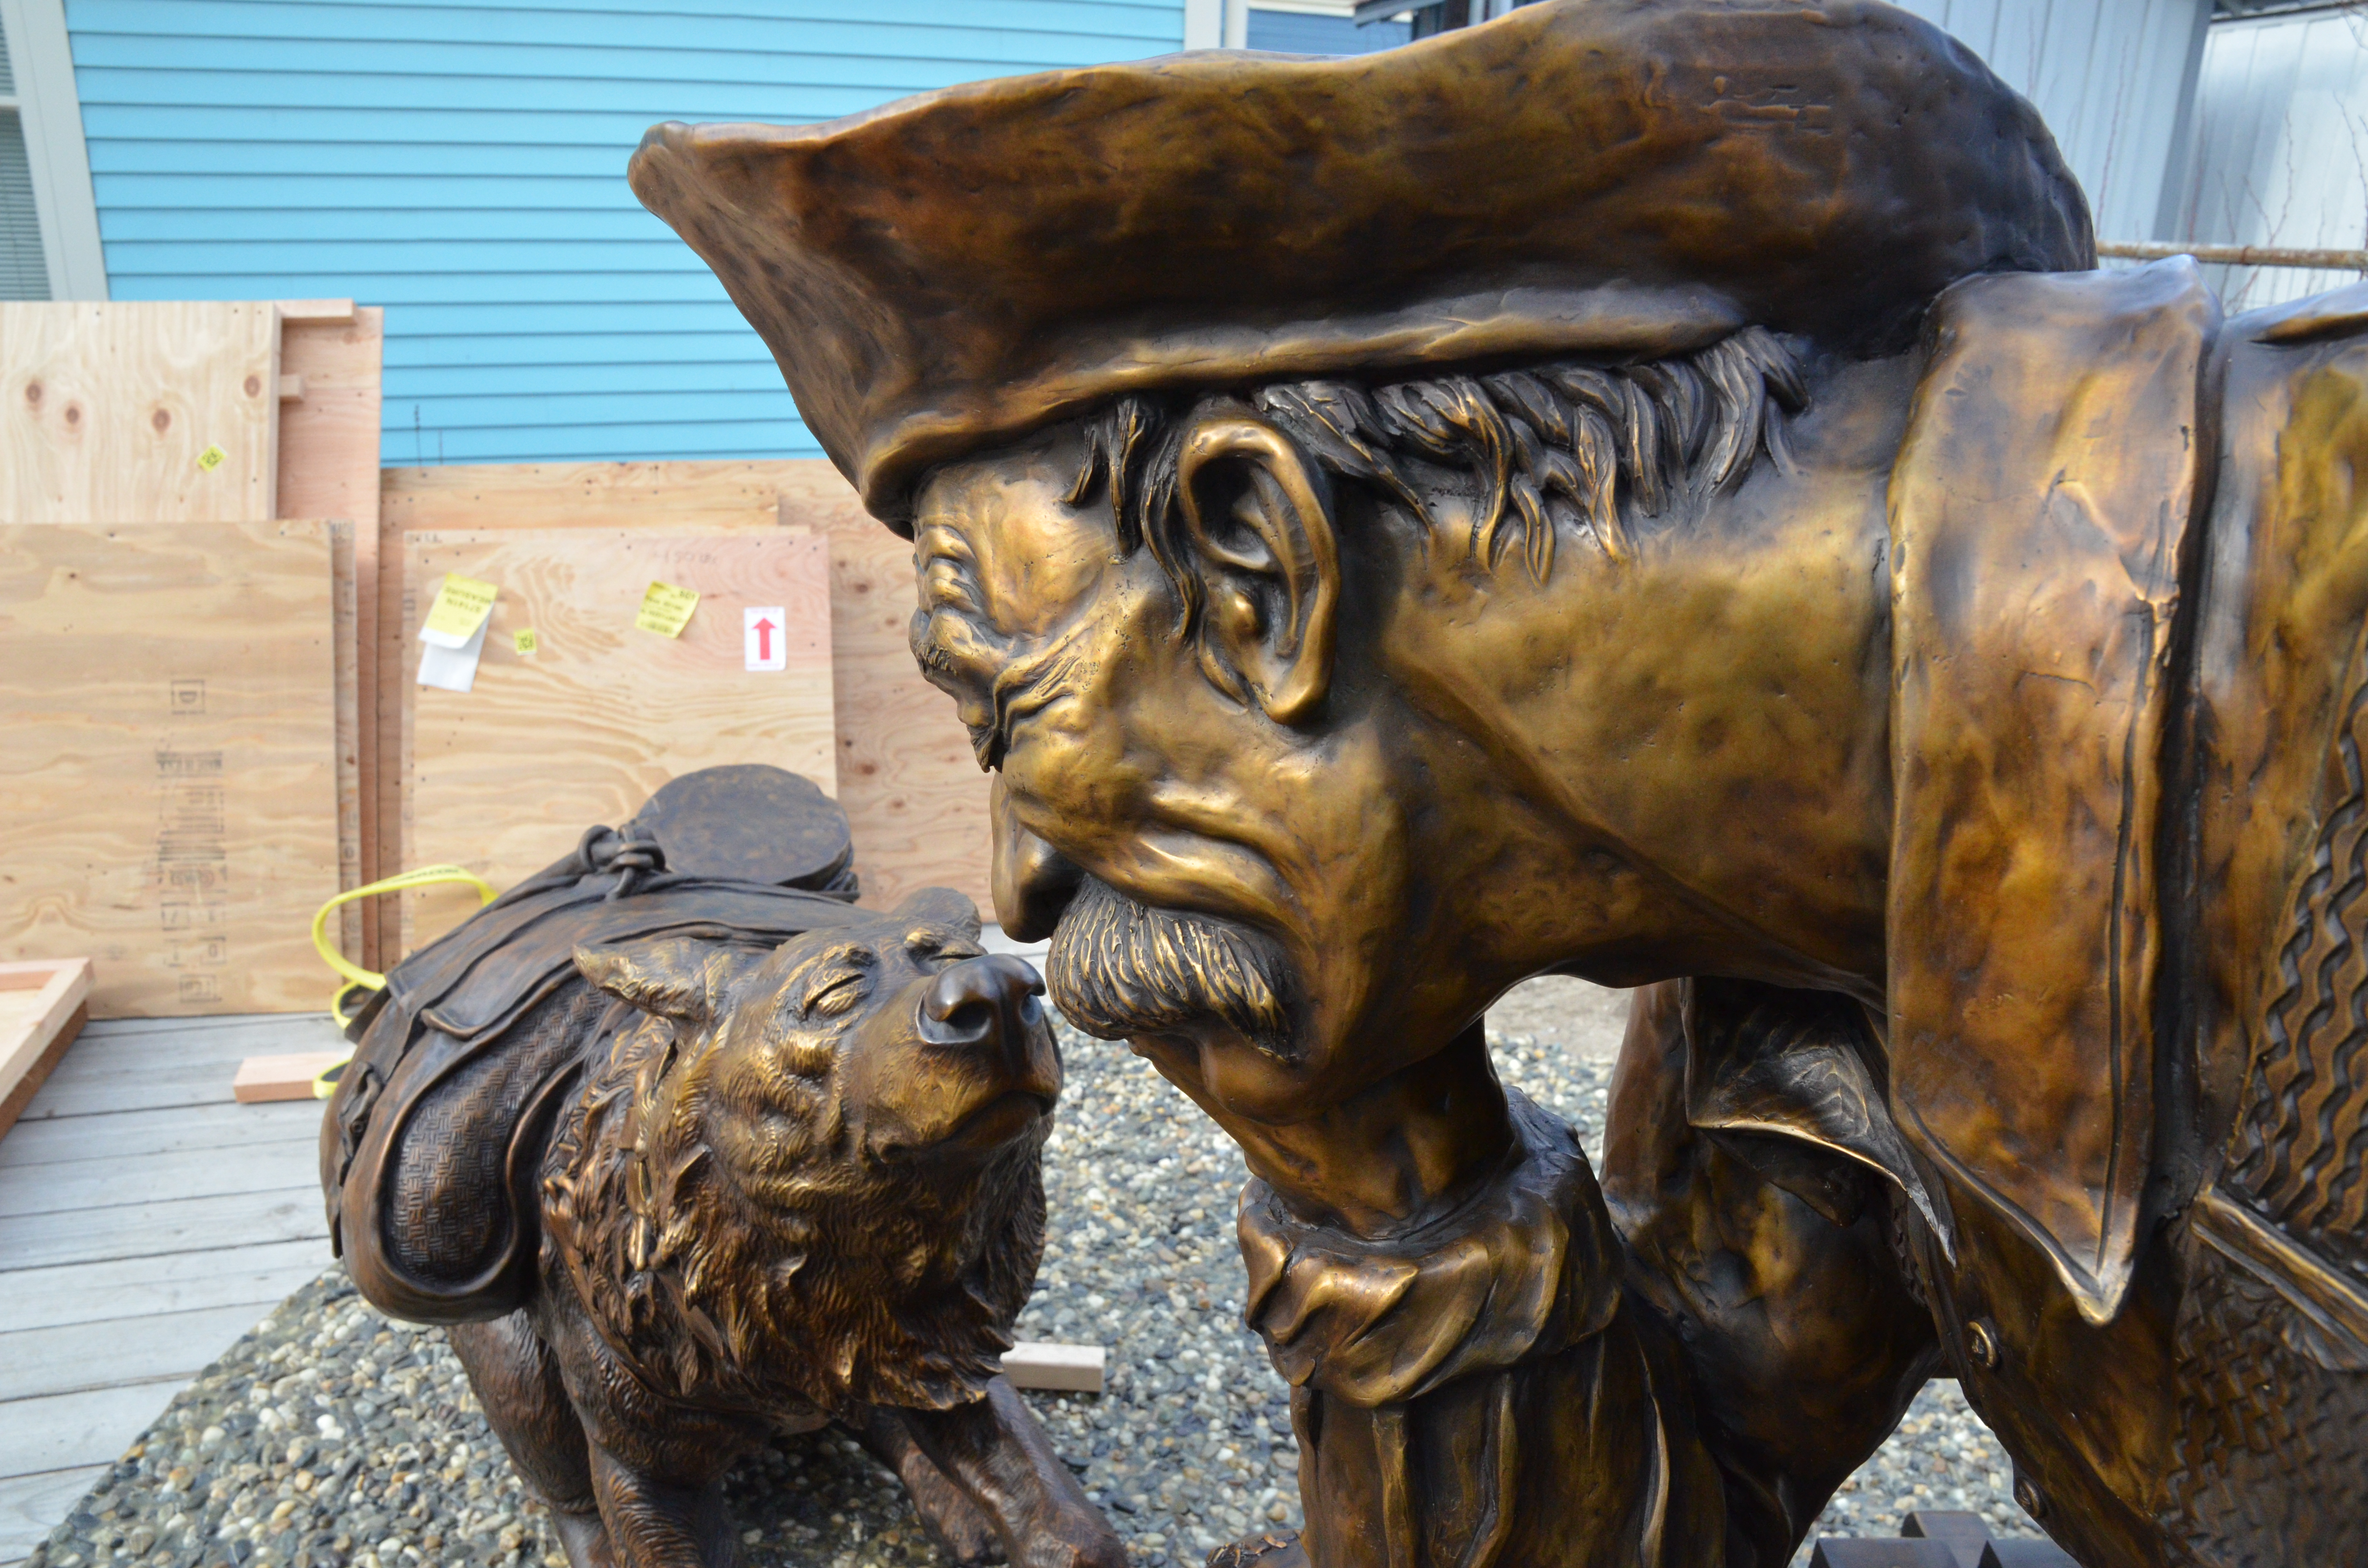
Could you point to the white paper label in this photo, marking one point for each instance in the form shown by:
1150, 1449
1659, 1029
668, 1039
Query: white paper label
453, 669
766, 632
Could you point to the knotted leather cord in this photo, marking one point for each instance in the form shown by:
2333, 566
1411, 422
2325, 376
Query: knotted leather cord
630, 859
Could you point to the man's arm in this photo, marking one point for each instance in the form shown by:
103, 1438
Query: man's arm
1805, 1341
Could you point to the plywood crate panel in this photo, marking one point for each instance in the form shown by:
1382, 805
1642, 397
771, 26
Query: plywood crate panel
914, 794
168, 791
110, 409
330, 369
505, 778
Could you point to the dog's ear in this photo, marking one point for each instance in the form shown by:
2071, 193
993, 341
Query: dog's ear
680, 978
937, 918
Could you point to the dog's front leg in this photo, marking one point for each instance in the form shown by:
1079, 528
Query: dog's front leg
655, 1522
993, 1449
965, 1535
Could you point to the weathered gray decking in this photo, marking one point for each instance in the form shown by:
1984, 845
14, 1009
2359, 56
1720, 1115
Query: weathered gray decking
146, 1221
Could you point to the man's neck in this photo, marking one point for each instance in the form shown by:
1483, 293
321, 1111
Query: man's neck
1389, 1159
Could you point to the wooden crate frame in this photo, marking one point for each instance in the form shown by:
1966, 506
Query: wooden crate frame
31, 1048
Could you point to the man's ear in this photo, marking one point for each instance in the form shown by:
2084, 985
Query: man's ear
680, 978
1258, 516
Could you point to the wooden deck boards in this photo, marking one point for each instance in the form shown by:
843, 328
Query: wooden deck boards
146, 1221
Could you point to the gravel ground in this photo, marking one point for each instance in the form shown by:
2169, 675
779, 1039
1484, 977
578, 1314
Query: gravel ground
331, 1435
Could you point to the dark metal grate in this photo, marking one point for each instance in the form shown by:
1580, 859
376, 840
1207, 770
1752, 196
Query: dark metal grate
23, 275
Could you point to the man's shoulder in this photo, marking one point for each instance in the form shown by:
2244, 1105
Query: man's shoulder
2338, 318
2289, 396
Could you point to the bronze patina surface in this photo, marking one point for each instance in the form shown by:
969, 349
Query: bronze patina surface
687, 1151
1652, 490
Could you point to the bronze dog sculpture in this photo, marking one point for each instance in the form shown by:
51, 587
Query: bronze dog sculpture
714, 1158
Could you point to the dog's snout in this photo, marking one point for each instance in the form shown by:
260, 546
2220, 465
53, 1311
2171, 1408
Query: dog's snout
982, 1001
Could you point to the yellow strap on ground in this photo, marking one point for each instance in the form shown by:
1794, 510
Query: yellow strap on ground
355, 974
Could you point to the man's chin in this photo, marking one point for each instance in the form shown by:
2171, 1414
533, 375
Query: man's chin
1232, 1080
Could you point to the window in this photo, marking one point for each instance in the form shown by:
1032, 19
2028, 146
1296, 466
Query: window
49, 226
23, 274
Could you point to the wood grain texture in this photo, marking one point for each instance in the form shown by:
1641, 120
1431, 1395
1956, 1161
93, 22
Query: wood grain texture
151, 1230
505, 778
139, 1286
261, 1080
914, 794
329, 468
716, 495
265, 1159
105, 409
43, 1005
216, 1125
168, 791
31, 1505
345, 648
71, 1356
664, 497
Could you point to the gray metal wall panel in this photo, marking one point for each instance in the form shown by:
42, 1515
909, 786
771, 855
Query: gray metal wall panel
2281, 153
2109, 76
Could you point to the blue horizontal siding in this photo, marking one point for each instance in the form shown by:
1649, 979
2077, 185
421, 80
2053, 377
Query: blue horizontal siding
505, 350
328, 224
464, 167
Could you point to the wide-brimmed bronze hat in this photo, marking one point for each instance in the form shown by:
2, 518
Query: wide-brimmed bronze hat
1615, 177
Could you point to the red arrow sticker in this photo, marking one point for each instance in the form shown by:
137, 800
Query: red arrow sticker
763, 632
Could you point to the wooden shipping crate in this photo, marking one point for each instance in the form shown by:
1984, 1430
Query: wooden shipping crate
914, 794
154, 412
43, 1008
168, 791
331, 358
503, 778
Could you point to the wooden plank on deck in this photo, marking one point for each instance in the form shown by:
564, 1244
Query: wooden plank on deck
130, 1290
31, 1505
163, 1129
329, 468
190, 1224
60, 1430
71, 1358
117, 1044
82, 1186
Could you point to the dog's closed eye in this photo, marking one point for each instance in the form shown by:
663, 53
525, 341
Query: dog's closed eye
835, 991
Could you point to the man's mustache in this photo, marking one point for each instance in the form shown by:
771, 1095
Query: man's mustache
1120, 969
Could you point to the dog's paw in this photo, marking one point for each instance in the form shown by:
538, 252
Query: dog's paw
1275, 1549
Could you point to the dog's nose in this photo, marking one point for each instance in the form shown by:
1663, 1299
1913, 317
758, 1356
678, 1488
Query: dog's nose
984, 1001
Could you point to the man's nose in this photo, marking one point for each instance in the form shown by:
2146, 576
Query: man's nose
988, 1001
1034, 881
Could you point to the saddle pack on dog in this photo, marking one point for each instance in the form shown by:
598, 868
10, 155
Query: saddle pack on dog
431, 1149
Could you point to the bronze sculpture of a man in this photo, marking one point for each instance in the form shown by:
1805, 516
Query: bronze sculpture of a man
1652, 490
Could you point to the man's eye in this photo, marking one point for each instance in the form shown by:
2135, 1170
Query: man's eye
836, 995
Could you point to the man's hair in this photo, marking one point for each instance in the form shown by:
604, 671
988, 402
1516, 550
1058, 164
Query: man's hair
1587, 442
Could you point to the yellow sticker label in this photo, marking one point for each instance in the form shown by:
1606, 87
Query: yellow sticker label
524, 641
461, 605
666, 609
211, 459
